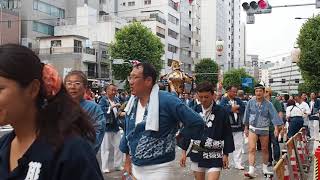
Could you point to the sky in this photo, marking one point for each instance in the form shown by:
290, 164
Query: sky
274, 35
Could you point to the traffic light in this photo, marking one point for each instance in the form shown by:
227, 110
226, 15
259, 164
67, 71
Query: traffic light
270, 81
257, 7
283, 80
296, 81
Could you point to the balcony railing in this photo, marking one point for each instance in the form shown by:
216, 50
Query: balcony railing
65, 50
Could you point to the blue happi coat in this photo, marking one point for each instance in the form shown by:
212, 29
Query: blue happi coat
150, 147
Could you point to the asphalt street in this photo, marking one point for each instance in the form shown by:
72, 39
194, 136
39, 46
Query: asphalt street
186, 173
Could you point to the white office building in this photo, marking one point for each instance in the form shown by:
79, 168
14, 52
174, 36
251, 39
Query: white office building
286, 76
220, 22
175, 22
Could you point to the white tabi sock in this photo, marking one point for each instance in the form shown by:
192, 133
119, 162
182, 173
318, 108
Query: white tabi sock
251, 170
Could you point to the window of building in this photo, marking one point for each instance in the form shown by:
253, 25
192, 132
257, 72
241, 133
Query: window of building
9, 24
104, 54
173, 19
197, 42
56, 43
160, 32
85, 1
190, 14
189, 40
91, 70
77, 46
48, 9
173, 4
89, 50
172, 48
147, 2
172, 34
198, 31
124, 4
131, 3
11, 4
197, 55
169, 62
42, 28
189, 53
190, 27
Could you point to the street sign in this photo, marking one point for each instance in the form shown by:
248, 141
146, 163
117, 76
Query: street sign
250, 19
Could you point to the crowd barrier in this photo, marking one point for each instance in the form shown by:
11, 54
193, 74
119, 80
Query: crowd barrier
295, 161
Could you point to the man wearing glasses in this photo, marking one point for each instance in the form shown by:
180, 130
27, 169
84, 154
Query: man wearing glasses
76, 84
151, 124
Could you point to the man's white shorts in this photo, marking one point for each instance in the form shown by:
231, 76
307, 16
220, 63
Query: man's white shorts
195, 167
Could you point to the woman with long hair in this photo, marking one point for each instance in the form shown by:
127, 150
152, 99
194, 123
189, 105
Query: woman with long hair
52, 135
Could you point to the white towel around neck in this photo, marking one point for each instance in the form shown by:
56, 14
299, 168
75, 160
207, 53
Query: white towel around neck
152, 119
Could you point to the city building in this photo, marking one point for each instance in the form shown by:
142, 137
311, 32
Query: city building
285, 76
243, 44
264, 75
38, 17
70, 52
96, 31
177, 23
92, 25
220, 22
9, 26
252, 65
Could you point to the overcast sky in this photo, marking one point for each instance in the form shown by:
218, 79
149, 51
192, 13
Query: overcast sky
275, 34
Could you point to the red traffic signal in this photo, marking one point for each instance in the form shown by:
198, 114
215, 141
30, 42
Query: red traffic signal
262, 4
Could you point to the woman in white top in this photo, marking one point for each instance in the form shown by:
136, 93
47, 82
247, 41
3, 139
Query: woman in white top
295, 118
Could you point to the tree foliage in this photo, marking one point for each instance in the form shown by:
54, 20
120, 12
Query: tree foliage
309, 63
233, 78
135, 42
206, 65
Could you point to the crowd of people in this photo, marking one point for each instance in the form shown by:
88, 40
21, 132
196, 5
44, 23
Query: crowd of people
60, 125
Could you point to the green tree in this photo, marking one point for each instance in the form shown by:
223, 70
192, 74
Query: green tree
309, 63
135, 42
233, 77
206, 65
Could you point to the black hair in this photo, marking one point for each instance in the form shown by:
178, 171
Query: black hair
205, 87
291, 102
57, 117
230, 87
286, 97
148, 71
259, 86
80, 74
109, 85
161, 86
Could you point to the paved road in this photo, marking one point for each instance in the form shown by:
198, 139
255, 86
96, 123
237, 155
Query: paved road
185, 173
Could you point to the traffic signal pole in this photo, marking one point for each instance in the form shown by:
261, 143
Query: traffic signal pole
263, 7
294, 5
